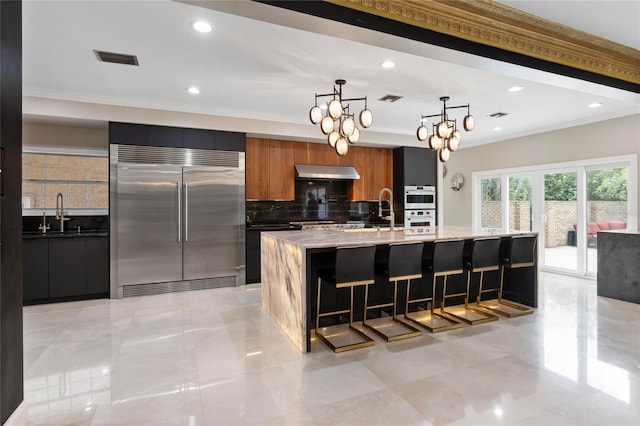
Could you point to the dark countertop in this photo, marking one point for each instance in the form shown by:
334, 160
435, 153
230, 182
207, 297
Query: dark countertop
88, 233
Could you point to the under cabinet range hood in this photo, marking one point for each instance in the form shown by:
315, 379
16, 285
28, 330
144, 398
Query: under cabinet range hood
313, 171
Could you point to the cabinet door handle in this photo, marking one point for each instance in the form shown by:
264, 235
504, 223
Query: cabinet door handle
179, 211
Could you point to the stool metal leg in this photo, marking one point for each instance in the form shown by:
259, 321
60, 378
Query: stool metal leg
501, 306
466, 313
394, 329
335, 335
429, 319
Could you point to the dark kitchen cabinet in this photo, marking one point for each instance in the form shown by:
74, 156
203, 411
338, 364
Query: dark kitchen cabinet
165, 136
414, 166
97, 258
67, 267
198, 138
175, 137
230, 141
128, 134
253, 256
35, 273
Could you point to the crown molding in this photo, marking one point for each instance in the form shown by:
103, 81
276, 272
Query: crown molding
493, 24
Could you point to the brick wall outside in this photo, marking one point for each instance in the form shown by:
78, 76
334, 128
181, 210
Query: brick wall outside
519, 215
561, 215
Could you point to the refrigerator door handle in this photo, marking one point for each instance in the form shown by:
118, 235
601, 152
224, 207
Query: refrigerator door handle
179, 211
186, 212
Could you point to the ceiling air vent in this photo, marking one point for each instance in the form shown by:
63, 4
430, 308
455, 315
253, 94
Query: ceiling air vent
116, 58
498, 114
390, 98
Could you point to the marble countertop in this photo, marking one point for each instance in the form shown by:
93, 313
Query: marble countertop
323, 238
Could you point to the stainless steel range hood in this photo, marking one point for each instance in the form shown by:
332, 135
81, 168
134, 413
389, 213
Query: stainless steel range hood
313, 171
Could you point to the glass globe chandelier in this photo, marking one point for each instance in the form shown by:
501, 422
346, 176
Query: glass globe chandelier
445, 136
338, 123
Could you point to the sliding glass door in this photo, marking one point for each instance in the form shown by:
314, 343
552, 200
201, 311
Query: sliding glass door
567, 204
561, 220
520, 208
607, 200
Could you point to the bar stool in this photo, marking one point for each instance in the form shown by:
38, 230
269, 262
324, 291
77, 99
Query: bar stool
483, 255
443, 258
404, 262
520, 252
353, 267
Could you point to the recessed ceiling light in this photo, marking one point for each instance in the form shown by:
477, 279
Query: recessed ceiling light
595, 105
497, 129
193, 90
516, 88
387, 64
202, 26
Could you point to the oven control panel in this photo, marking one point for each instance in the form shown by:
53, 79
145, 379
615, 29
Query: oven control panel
423, 217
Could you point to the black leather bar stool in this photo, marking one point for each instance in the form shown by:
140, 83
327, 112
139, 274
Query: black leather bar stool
354, 266
481, 255
403, 263
519, 252
441, 259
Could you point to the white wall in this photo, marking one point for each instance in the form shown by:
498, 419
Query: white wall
620, 136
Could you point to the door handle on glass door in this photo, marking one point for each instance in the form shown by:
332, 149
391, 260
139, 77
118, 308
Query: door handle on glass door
179, 211
186, 212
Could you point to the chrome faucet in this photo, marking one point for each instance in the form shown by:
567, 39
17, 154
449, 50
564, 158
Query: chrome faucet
392, 217
44, 226
60, 210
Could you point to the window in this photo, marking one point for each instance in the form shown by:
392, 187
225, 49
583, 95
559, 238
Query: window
83, 181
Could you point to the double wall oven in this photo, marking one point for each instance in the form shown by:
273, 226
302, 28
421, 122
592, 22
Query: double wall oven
419, 206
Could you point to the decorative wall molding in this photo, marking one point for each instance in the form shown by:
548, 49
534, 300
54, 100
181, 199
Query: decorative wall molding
493, 24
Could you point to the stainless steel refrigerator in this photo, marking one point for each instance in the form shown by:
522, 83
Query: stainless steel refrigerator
177, 219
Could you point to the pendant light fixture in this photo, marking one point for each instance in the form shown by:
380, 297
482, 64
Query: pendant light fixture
445, 136
338, 123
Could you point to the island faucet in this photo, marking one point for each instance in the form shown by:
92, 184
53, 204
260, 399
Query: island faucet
392, 217
60, 210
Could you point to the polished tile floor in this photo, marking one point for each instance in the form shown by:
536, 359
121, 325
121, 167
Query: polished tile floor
214, 357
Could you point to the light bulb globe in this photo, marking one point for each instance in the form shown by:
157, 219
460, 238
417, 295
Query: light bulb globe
422, 133
326, 125
335, 109
315, 115
366, 118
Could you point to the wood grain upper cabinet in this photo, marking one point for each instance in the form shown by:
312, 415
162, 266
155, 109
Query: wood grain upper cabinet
257, 169
382, 161
281, 170
270, 167
322, 153
375, 168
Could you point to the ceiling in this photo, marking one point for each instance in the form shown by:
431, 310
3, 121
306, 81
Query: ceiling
263, 64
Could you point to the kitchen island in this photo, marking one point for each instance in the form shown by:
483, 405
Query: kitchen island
619, 264
290, 261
